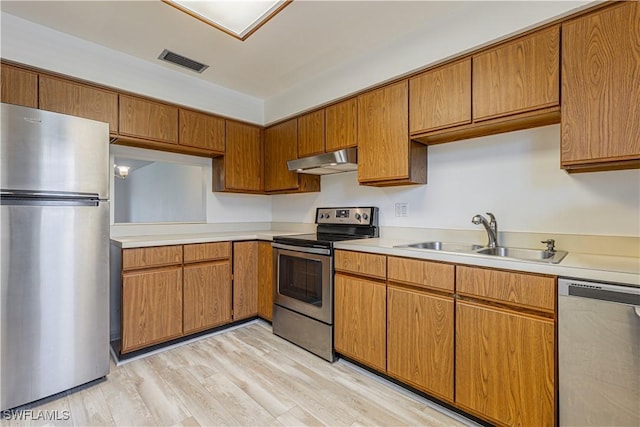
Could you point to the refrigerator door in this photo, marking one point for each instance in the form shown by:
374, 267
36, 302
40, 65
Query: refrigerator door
53, 153
54, 297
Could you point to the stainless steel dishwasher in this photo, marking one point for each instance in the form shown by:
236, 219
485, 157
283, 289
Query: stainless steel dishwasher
598, 354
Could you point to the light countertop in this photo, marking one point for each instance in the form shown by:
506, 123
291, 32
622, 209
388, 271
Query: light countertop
575, 265
606, 268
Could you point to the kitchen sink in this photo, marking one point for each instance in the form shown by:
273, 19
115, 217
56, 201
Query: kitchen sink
442, 246
523, 254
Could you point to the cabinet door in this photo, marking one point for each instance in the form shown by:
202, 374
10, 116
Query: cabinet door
601, 86
201, 131
519, 76
311, 134
441, 97
505, 365
265, 280
19, 87
245, 279
76, 99
420, 340
360, 312
147, 119
244, 159
280, 144
386, 156
207, 295
341, 125
151, 307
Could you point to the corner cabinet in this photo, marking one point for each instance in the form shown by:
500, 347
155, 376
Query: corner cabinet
386, 155
601, 90
280, 145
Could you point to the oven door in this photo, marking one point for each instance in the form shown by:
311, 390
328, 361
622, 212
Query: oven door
304, 282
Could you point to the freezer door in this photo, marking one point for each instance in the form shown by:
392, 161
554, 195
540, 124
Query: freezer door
52, 153
54, 300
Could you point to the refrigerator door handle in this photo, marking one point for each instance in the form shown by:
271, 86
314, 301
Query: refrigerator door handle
47, 194
20, 201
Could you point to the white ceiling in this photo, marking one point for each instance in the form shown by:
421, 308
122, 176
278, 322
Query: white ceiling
305, 40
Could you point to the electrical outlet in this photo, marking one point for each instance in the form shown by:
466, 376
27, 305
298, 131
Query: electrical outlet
402, 209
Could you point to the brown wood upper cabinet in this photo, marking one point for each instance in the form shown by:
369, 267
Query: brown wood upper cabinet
146, 119
386, 156
341, 125
311, 134
601, 89
241, 169
518, 76
76, 99
441, 98
201, 131
19, 87
280, 145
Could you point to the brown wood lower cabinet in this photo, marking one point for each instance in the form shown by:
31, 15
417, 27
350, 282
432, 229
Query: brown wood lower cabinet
420, 340
207, 295
245, 280
360, 312
151, 307
265, 280
505, 365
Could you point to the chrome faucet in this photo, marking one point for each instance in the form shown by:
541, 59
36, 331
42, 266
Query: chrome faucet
491, 227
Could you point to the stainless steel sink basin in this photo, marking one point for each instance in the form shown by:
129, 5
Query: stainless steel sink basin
442, 246
524, 254
536, 255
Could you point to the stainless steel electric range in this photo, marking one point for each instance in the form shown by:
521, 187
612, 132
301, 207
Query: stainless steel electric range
303, 274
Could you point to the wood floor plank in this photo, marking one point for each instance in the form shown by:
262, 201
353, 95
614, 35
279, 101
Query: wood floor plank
246, 376
158, 396
89, 408
203, 406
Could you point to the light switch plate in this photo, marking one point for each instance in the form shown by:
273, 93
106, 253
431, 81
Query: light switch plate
402, 209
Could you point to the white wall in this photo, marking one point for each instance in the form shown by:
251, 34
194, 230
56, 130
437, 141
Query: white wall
474, 25
514, 175
29, 43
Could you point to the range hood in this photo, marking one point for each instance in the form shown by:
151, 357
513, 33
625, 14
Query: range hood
345, 160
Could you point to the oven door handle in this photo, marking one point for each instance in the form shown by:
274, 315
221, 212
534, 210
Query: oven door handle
317, 251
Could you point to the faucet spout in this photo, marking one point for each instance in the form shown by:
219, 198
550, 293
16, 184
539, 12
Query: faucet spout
491, 228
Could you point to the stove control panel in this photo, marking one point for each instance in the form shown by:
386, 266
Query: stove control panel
348, 216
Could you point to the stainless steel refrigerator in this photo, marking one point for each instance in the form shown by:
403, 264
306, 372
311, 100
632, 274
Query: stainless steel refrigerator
54, 258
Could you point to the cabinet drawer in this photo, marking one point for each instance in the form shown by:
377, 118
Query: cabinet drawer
207, 251
151, 257
424, 274
522, 289
361, 263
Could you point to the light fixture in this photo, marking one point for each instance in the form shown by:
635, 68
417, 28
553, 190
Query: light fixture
121, 171
237, 18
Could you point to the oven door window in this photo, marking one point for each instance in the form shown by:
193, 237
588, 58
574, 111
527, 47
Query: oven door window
301, 278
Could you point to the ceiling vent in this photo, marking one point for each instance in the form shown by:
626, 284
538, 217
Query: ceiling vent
182, 61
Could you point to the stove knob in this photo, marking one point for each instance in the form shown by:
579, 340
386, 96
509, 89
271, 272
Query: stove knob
365, 217
327, 216
358, 216
321, 216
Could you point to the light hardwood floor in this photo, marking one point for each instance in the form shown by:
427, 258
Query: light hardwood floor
244, 377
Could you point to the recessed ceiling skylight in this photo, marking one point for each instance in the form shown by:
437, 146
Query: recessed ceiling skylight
238, 18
